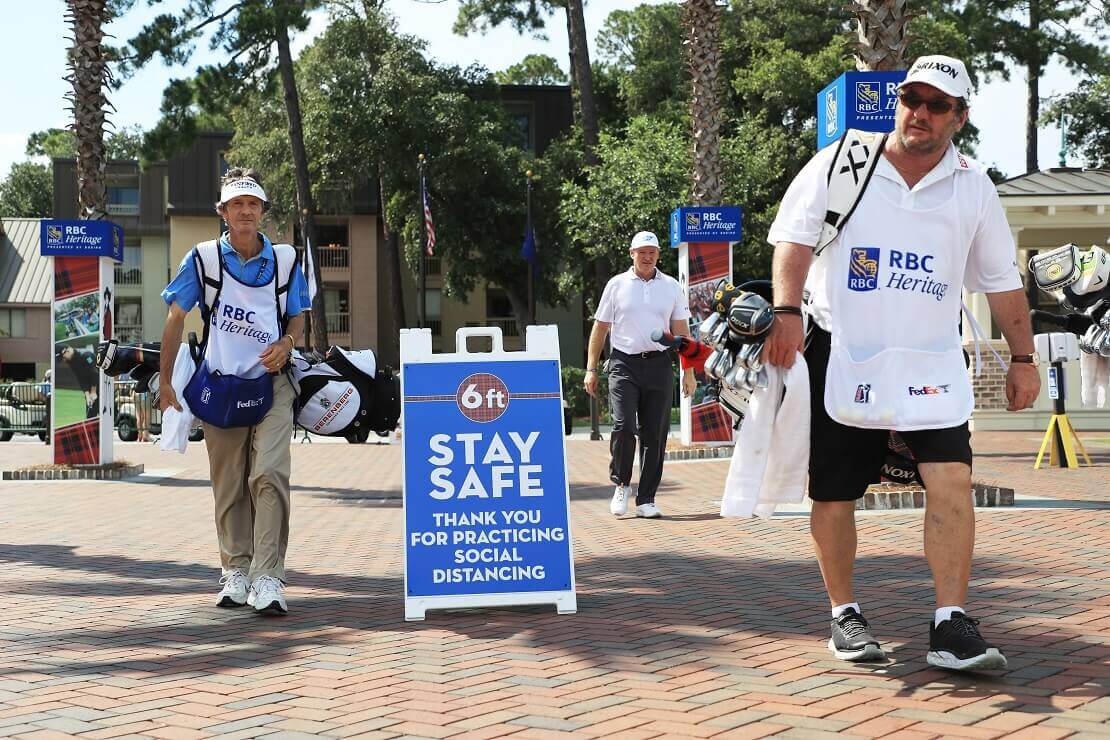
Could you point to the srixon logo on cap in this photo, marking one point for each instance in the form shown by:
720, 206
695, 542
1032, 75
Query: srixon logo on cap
947, 69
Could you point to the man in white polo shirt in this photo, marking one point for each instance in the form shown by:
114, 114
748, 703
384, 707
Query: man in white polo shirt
641, 377
884, 350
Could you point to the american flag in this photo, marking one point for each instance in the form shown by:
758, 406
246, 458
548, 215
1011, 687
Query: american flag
429, 227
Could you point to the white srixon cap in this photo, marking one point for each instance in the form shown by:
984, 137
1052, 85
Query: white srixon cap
645, 239
946, 74
242, 186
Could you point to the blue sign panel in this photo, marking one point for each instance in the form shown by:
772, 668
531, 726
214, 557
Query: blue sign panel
859, 100
485, 479
705, 224
81, 239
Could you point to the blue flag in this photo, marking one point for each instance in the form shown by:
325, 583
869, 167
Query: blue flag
528, 249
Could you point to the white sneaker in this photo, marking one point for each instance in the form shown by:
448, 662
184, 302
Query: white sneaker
648, 511
267, 596
234, 591
618, 506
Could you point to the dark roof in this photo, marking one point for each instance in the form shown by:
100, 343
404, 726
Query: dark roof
24, 273
1058, 181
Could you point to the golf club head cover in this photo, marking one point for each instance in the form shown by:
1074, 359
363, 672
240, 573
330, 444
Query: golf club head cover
750, 316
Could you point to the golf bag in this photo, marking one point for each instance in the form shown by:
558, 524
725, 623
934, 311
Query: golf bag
344, 394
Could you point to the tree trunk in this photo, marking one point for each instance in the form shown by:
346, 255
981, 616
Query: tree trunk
396, 298
701, 19
583, 76
305, 207
89, 75
1034, 69
881, 36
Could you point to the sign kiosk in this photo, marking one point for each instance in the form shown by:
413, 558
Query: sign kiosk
485, 474
84, 256
704, 237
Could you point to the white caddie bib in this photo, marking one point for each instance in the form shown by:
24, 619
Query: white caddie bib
243, 324
894, 280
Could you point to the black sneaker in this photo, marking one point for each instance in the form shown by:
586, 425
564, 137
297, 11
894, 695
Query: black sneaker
957, 644
851, 638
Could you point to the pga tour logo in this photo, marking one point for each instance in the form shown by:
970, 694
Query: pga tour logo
863, 393
830, 113
205, 395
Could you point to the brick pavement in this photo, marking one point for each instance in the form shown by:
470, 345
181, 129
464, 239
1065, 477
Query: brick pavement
692, 626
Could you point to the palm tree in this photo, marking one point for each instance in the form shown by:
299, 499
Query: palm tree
881, 33
701, 21
89, 74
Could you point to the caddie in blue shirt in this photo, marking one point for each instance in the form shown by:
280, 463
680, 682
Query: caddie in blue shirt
252, 298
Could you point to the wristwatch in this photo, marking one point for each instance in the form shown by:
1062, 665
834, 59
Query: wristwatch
1033, 359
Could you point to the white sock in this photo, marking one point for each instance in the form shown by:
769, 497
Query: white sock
837, 611
946, 612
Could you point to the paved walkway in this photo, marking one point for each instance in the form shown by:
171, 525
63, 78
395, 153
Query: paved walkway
691, 626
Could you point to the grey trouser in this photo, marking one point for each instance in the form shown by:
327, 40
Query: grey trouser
641, 390
250, 480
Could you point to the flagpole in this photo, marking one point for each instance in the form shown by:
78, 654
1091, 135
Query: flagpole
531, 266
421, 303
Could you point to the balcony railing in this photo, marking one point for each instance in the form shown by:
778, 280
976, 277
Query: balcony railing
334, 258
432, 266
507, 326
128, 275
123, 209
338, 323
128, 333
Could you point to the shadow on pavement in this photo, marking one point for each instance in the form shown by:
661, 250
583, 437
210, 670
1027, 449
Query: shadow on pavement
666, 609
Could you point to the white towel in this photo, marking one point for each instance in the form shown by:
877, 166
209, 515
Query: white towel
771, 457
176, 424
1094, 371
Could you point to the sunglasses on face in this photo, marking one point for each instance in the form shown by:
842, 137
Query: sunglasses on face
936, 106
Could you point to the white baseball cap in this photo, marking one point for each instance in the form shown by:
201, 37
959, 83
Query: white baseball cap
947, 74
243, 186
645, 239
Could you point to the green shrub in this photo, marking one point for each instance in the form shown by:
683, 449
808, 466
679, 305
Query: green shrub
575, 395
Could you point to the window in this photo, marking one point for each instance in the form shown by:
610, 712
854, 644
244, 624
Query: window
336, 309
123, 200
222, 164
498, 305
130, 271
129, 320
521, 133
13, 322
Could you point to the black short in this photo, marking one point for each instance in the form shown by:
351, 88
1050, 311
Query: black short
844, 460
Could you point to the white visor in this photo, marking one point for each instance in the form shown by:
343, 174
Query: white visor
242, 186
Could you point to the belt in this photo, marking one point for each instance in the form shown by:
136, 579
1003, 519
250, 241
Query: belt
641, 355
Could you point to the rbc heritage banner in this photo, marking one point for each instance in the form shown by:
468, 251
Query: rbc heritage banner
704, 237
84, 255
485, 483
859, 100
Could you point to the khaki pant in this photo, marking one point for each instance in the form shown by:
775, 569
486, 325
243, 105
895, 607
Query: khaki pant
250, 480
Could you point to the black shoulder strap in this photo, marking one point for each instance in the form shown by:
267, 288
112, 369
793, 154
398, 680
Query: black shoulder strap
205, 280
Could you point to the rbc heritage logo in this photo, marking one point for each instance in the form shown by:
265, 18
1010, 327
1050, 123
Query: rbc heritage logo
867, 97
693, 221
863, 269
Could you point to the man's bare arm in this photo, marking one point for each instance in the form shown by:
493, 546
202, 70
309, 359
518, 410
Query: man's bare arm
789, 268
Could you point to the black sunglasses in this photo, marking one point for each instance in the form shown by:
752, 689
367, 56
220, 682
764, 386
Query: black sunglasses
936, 106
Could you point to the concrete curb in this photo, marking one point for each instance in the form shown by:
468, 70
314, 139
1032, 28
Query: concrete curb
77, 472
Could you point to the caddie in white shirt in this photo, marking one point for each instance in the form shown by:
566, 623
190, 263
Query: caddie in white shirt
641, 376
885, 351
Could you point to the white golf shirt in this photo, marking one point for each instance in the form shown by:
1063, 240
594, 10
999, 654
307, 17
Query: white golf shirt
991, 254
635, 307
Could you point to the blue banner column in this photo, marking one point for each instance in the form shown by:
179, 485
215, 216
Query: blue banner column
82, 399
704, 237
861, 100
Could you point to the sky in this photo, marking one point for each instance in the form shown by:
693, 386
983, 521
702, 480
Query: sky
32, 60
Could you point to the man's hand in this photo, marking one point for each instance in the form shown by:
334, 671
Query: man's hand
590, 383
1023, 385
167, 397
689, 382
276, 355
784, 340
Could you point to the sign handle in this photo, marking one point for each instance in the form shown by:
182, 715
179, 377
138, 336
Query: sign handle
493, 332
